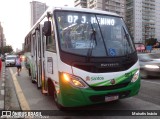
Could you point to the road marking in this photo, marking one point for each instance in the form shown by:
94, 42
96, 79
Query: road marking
151, 82
23, 102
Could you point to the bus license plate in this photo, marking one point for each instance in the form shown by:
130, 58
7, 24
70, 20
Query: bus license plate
111, 98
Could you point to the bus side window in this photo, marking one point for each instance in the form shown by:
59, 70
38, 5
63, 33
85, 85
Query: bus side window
50, 42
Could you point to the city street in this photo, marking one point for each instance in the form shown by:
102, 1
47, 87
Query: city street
148, 98
80, 59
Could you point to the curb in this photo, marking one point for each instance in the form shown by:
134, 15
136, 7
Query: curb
2, 86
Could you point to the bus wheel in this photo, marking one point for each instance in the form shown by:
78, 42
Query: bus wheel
50, 87
52, 93
60, 107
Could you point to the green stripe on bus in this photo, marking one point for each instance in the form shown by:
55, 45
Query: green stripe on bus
118, 80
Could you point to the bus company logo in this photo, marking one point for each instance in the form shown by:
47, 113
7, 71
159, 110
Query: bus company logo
97, 78
88, 78
112, 81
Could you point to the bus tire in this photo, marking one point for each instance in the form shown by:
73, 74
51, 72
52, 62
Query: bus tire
50, 88
52, 93
59, 106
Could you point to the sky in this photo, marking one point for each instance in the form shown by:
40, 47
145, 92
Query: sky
15, 18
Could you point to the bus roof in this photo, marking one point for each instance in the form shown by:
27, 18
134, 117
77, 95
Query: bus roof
64, 8
82, 9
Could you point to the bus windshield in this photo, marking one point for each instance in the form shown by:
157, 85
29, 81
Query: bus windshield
93, 34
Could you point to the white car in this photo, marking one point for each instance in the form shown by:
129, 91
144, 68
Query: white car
10, 60
149, 64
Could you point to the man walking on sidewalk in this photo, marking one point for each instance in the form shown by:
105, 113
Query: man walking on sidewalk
18, 64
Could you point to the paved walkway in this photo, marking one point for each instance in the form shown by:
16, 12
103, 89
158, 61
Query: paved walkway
2, 87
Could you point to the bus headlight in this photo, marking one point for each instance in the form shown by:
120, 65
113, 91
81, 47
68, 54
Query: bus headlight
135, 76
74, 80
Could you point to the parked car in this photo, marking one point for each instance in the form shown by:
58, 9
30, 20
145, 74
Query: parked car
149, 65
10, 60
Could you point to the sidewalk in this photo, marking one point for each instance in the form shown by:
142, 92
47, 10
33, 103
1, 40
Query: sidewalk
2, 85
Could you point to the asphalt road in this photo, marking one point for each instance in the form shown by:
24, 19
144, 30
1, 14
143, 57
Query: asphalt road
147, 99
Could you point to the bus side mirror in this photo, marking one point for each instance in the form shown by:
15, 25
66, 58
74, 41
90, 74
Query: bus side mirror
47, 28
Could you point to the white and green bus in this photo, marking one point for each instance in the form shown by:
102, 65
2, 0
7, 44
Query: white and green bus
82, 56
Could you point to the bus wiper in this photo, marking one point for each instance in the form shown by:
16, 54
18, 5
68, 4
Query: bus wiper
130, 42
126, 35
92, 40
102, 36
126, 47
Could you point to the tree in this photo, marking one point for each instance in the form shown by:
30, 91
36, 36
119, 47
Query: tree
6, 49
151, 41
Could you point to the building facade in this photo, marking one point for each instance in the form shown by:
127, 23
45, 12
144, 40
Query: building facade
2, 42
80, 3
134, 19
141, 16
143, 19
37, 9
116, 6
157, 20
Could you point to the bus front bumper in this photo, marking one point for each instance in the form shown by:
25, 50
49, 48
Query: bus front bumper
70, 96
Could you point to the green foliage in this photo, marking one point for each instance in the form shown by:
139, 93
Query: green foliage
151, 41
6, 49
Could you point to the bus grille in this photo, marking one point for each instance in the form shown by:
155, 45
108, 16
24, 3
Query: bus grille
112, 87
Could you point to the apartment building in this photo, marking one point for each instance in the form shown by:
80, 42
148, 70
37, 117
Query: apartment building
157, 20
2, 42
37, 9
116, 6
80, 3
143, 19
142, 16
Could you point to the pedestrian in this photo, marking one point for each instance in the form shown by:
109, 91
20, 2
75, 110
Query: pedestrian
0, 64
18, 64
